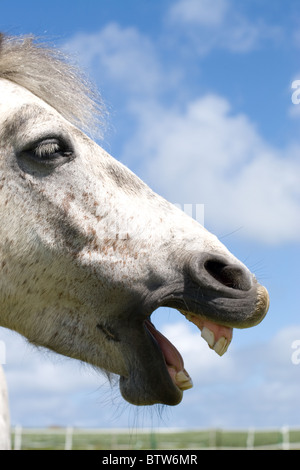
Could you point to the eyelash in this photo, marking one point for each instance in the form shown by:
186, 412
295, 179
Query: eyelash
50, 149
44, 149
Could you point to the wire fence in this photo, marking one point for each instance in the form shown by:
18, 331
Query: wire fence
70, 438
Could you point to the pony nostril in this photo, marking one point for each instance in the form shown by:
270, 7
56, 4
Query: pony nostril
230, 275
217, 272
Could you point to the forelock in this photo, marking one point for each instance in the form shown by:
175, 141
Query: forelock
50, 75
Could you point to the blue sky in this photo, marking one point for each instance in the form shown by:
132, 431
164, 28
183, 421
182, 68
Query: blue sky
199, 100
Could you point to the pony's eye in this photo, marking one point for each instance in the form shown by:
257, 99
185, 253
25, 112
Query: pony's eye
43, 156
50, 149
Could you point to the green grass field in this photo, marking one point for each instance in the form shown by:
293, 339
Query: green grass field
154, 440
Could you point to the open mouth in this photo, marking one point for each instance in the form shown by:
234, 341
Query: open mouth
156, 371
217, 337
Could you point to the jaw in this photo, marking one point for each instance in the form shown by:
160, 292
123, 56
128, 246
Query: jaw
148, 381
156, 372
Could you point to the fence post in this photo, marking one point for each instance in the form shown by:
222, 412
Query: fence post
250, 439
18, 437
153, 441
285, 438
69, 438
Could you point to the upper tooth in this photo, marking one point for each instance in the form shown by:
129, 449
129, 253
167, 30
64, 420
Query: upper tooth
208, 335
221, 346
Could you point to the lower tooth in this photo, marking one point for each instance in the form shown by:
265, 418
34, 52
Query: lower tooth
183, 381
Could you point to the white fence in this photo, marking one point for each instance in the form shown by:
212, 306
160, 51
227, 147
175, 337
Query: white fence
68, 438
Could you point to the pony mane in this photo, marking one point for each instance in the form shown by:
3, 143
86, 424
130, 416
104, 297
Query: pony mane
47, 73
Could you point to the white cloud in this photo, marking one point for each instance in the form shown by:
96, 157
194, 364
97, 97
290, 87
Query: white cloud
199, 12
122, 56
220, 25
206, 154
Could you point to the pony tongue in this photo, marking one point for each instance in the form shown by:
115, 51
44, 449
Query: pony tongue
218, 338
173, 359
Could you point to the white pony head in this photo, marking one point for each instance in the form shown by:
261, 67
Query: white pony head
88, 251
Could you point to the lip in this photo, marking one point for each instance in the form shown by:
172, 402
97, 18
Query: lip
230, 307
